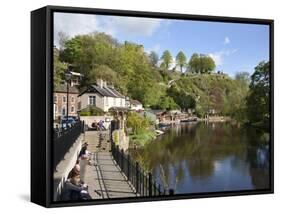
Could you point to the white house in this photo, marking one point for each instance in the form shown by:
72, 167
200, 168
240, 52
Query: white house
102, 96
136, 105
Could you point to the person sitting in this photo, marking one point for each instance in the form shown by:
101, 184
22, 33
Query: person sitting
75, 190
75, 170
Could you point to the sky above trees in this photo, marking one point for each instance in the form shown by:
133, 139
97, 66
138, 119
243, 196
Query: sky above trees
234, 47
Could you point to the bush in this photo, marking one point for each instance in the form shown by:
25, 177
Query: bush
91, 111
137, 122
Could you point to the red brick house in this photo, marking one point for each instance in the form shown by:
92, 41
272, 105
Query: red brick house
60, 101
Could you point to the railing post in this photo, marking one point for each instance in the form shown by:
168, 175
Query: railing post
129, 167
137, 176
122, 160
118, 155
149, 184
171, 192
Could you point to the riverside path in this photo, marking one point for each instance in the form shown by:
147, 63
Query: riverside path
103, 176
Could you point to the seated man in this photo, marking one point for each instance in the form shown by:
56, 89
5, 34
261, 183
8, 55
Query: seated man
75, 190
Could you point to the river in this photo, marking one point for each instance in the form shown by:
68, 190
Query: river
207, 157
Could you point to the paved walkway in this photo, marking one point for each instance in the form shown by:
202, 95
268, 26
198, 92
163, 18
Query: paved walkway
104, 177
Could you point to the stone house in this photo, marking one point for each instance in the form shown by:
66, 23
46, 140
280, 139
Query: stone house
102, 96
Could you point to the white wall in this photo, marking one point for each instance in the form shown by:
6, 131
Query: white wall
15, 66
101, 101
85, 100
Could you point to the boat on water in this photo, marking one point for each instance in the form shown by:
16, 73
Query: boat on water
190, 119
163, 125
159, 132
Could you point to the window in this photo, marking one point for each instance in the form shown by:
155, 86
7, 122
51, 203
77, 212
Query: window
72, 99
72, 109
63, 111
56, 108
121, 104
55, 98
92, 100
114, 101
64, 99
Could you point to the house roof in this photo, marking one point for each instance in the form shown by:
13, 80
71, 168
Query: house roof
62, 88
104, 91
135, 102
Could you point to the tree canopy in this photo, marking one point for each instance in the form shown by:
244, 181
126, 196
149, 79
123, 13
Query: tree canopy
181, 60
167, 59
258, 105
201, 63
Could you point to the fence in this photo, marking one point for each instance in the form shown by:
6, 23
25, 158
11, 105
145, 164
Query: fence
143, 182
63, 141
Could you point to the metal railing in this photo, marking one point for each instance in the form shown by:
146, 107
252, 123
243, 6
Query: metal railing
142, 181
63, 141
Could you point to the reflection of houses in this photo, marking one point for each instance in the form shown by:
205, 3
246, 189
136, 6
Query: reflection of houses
102, 96
136, 105
60, 101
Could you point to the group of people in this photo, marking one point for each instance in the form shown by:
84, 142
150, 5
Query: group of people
99, 125
75, 188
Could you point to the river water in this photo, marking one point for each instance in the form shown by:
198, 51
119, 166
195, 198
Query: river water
213, 157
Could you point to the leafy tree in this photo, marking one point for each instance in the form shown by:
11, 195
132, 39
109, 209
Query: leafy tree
259, 96
243, 78
104, 72
154, 58
59, 68
137, 122
181, 60
167, 103
167, 59
201, 63
63, 37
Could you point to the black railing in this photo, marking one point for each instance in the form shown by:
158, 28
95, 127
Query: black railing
63, 141
142, 181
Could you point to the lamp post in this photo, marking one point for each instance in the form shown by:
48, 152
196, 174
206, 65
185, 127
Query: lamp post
68, 76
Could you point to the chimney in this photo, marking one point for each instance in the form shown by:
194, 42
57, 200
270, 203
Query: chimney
100, 83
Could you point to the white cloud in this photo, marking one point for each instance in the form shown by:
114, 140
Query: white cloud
75, 24
226, 40
156, 48
132, 26
219, 56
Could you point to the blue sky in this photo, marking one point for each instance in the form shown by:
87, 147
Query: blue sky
234, 47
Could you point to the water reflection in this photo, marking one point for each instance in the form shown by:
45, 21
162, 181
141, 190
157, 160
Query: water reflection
208, 157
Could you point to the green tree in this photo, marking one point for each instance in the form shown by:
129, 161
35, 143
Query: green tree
154, 58
181, 60
59, 68
201, 63
167, 103
258, 111
167, 59
104, 72
137, 122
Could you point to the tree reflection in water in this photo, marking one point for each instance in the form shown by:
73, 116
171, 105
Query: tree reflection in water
199, 157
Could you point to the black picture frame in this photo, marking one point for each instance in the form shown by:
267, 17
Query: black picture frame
41, 100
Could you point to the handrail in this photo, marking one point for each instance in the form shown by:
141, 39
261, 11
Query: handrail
143, 182
63, 141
